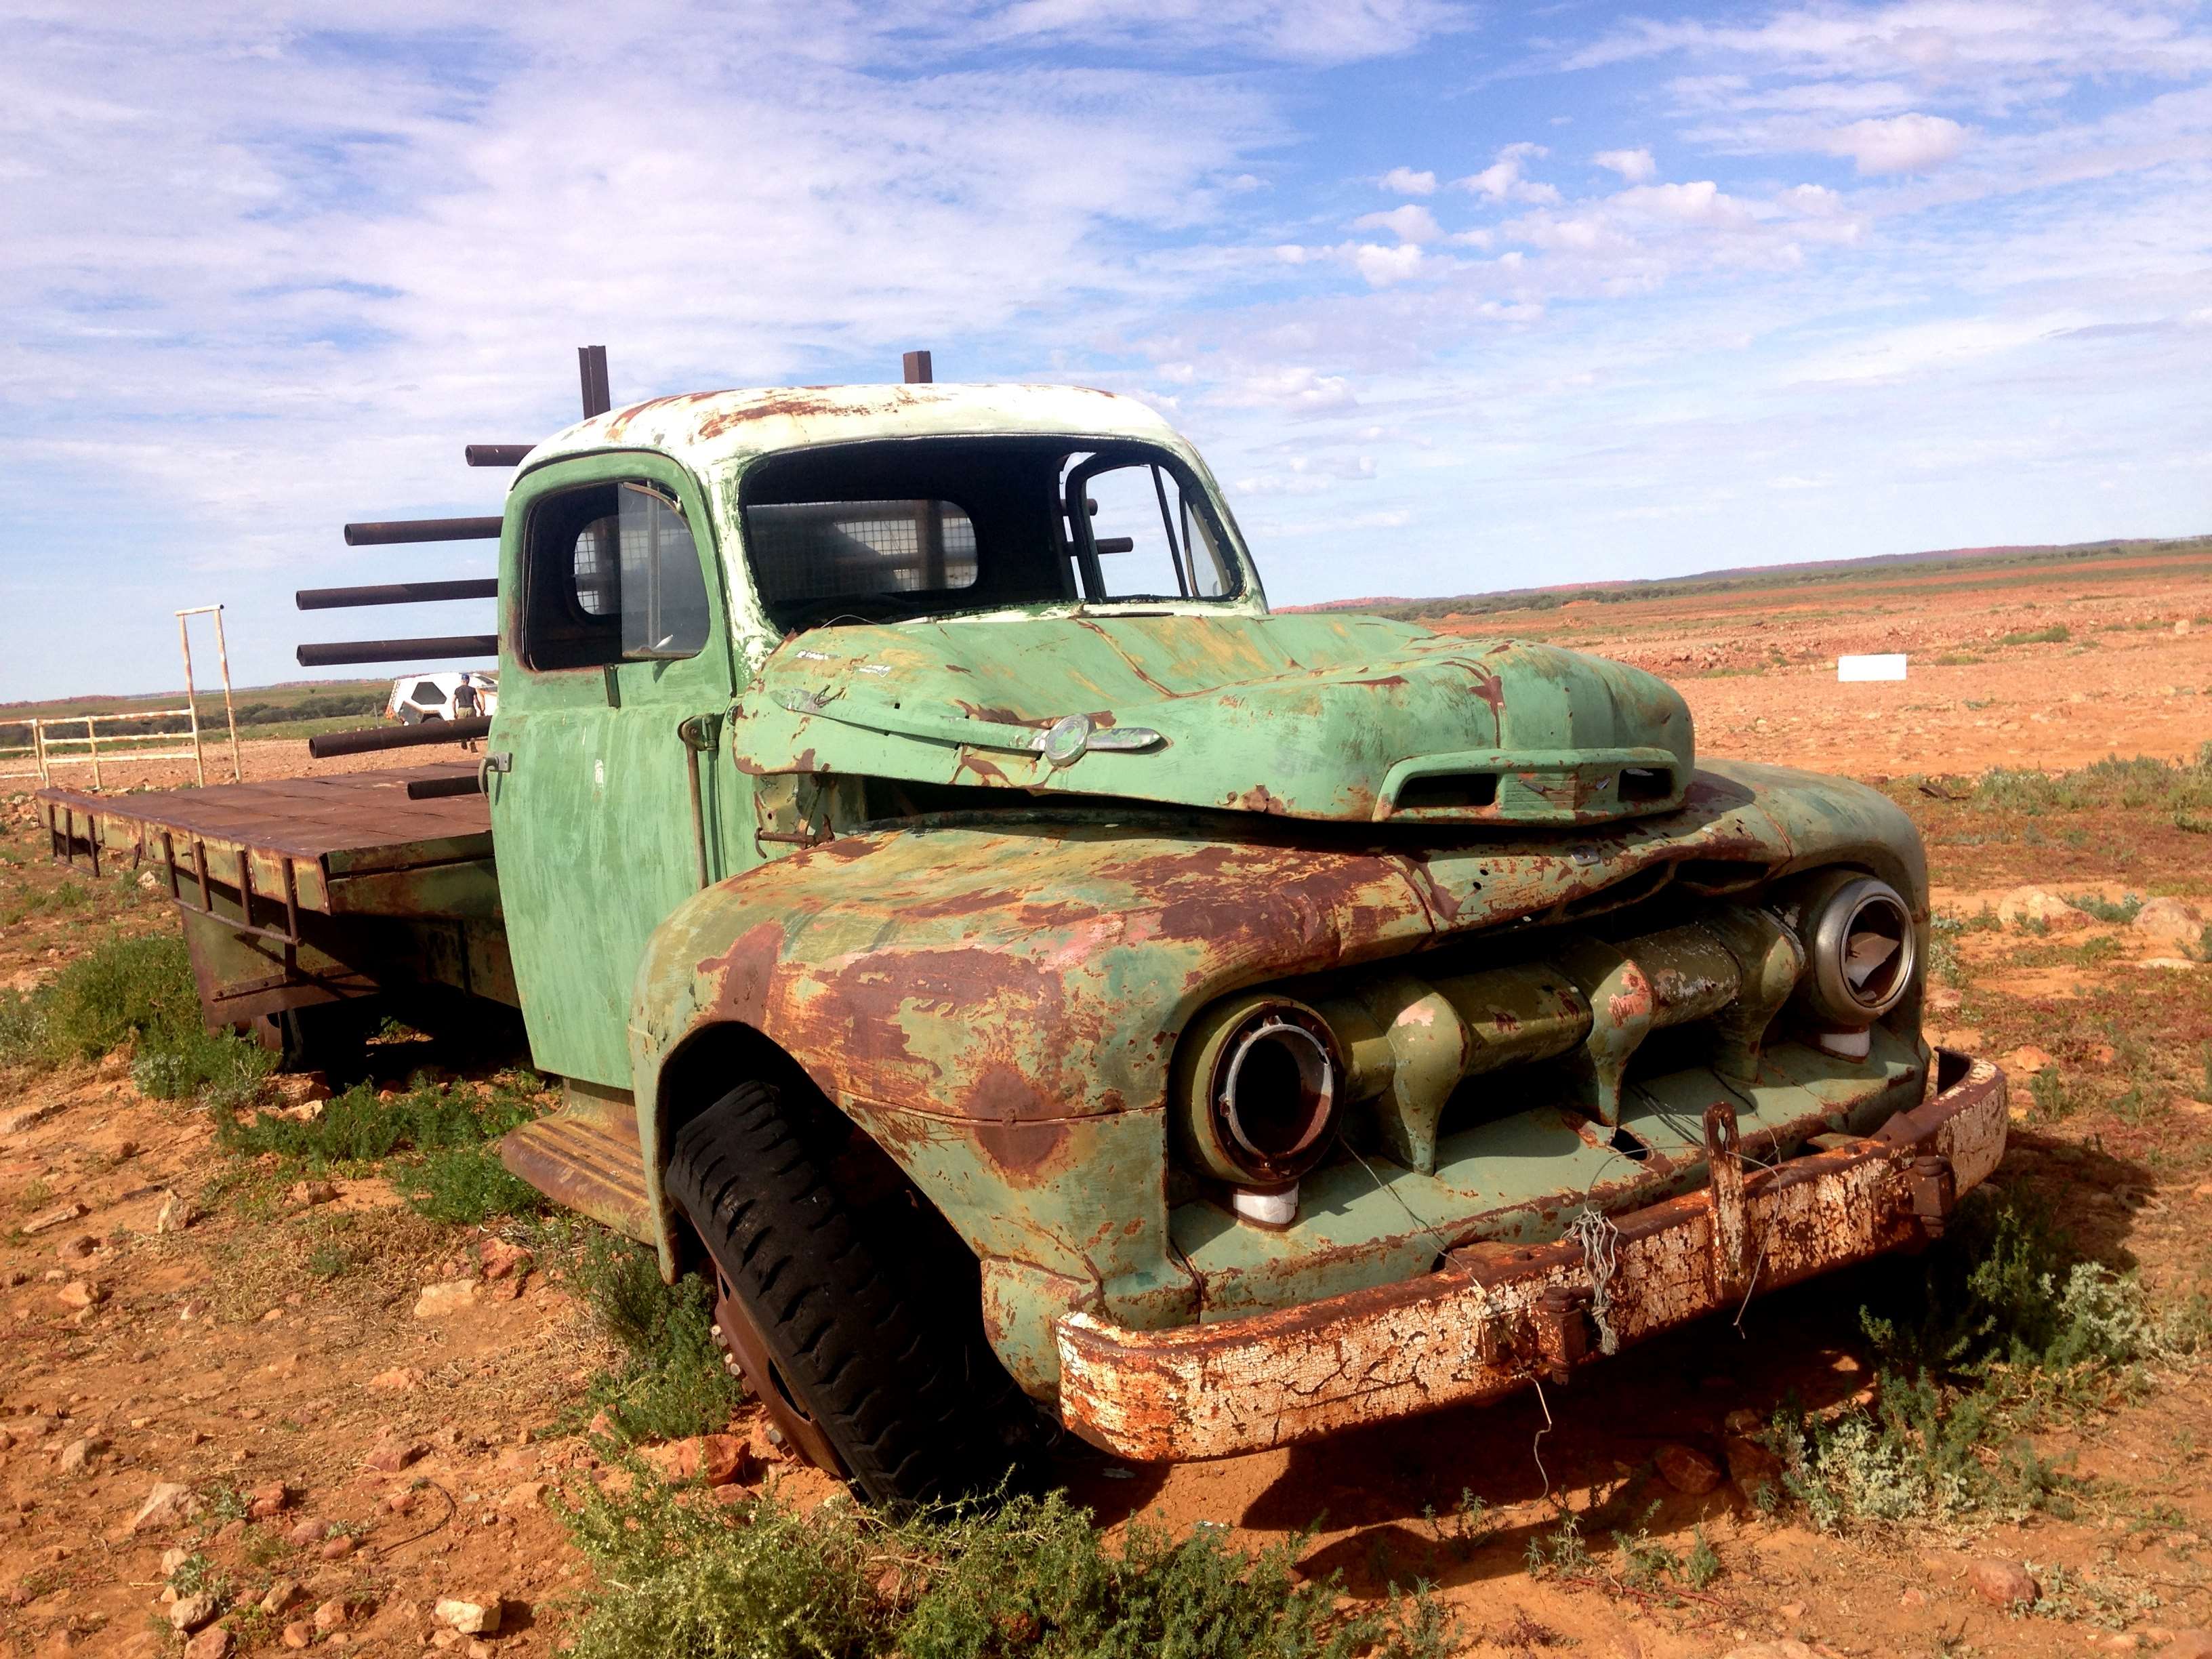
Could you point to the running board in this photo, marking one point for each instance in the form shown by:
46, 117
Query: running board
590, 1164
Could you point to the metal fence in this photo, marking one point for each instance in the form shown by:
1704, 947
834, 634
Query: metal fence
58, 740
77, 740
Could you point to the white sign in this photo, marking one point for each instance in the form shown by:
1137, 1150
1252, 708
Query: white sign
1871, 668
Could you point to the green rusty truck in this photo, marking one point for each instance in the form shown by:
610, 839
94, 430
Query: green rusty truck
1047, 990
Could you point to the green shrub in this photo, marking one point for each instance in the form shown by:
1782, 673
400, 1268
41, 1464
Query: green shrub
140, 991
2056, 633
466, 1186
1998, 1330
1028, 1576
358, 1127
674, 1380
2103, 909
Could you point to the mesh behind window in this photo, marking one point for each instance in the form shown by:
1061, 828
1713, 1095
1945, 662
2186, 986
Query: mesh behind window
829, 550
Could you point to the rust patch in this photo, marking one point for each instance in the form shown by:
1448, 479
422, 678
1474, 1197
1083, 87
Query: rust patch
988, 771
746, 972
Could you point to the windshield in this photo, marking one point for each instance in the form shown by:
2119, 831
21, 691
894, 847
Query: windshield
925, 527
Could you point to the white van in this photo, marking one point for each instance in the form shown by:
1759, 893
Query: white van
448, 696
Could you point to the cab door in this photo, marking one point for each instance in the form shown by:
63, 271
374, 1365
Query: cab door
614, 632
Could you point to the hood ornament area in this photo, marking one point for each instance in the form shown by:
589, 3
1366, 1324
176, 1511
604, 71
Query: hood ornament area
1063, 743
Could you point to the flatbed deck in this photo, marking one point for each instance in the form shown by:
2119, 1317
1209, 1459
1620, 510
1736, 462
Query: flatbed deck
345, 842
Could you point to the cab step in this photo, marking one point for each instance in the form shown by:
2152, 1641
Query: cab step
592, 1163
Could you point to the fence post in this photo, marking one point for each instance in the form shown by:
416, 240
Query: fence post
91, 747
191, 699
39, 748
222, 658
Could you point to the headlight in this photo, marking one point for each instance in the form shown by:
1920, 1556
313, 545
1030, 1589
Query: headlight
1860, 949
1259, 1088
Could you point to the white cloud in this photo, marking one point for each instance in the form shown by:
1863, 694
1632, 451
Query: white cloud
1901, 143
1382, 266
1296, 390
1409, 223
1701, 202
1404, 181
1635, 166
1501, 181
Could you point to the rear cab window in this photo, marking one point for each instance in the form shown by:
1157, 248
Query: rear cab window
876, 532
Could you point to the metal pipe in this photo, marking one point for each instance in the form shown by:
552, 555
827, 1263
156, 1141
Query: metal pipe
496, 454
441, 788
339, 599
349, 651
591, 370
391, 532
369, 740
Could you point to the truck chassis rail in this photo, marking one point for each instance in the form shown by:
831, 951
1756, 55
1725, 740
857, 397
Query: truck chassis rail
1494, 1317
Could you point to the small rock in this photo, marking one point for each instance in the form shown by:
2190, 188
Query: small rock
60, 1216
528, 1495
297, 1634
189, 1612
303, 1532
174, 1558
2026, 1061
1753, 1471
25, 1117
332, 1615
470, 1615
77, 1456
2034, 904
81, 1293
501, 1260
1686, 1469
391, 1453
2002, 1584
1783, 1649
177, 1215
230, 1532
264, 1502
448, 1297
1913, 1596
213, 1642
337, 1548
399, 1379
167, 1506
282, 1596
2194, 1643
2170, 922
82, 1247
302, 1194
1743, 1421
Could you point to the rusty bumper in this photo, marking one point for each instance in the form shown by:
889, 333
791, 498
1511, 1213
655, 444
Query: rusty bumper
1492, 1317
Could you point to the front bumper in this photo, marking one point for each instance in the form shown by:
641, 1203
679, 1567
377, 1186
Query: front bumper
1495, 1316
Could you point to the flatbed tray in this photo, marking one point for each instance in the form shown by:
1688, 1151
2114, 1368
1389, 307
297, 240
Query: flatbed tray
334, 842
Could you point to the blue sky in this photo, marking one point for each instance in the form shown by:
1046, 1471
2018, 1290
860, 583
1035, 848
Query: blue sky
1453, 297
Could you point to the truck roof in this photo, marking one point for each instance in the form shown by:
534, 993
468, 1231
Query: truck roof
710, 428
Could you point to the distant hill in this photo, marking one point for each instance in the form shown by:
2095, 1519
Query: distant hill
1735, 578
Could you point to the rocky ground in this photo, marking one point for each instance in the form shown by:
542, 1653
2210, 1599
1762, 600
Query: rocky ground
243, 1409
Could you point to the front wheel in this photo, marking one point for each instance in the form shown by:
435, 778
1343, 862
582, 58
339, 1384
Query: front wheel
866, 1358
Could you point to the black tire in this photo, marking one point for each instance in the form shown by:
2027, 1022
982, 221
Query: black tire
886, 1370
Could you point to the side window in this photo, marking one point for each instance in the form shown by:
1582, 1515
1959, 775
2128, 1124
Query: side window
1152, 535
612, 572
426, 694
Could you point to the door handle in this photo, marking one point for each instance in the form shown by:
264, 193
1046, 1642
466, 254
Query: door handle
502, 762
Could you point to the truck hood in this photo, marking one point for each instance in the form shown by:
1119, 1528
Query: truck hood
1349, 719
